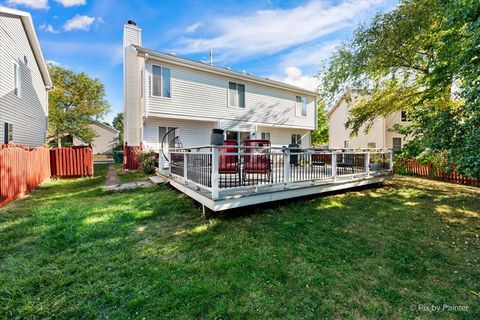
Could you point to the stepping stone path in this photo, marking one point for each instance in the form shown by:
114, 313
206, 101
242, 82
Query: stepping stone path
112, 182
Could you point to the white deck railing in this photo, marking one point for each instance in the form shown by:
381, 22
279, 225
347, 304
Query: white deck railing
227, 170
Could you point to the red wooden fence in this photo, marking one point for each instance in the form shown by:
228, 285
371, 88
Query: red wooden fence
130, 157
71, 162
21, 170
414, 168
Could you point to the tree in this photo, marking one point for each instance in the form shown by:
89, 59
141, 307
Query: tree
416, 58
320, 136
74, 105
118, 124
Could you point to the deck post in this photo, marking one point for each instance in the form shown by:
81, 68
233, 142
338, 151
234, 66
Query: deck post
391, 160
286, 166
334, 165
214, 172
185, 167
161, 163
367, 162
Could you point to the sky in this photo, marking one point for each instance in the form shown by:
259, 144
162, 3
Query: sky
287, 41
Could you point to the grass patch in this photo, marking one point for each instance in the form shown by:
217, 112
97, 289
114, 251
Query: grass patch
129, 176
72, 250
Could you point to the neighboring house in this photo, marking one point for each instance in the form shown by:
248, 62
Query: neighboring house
24, 81
106, 138
379, 135
163, 91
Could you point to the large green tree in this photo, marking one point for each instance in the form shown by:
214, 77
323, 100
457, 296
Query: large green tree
320, 136
74, 105
419, 58
118, 124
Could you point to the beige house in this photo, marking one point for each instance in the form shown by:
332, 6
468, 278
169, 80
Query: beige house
105, 140
379, 136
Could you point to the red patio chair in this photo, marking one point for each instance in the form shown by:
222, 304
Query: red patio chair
228, 164
259, 163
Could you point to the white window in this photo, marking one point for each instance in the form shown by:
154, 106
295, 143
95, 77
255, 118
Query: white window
239, 136
371, 145
16, 79
403, 116
236, 95
397, 144
161, 81
301, 106
346, 144
296, 139
265, 135
7, 132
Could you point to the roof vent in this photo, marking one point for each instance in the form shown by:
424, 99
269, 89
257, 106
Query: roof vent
131, 22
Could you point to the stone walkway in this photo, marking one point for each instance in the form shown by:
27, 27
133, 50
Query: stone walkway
112, 178
112, 182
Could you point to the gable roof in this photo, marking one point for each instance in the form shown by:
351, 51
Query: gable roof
172, 59
27, 22
101, 124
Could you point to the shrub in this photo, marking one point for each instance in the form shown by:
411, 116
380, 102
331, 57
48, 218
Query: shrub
147, 160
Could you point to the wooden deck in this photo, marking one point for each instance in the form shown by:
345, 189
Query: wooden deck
222, 180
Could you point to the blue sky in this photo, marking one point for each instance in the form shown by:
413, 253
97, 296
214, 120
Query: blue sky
282, 40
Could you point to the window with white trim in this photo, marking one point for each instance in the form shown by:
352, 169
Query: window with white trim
397, 144
266, 136
7, 132
371, 145
16, 79
403, 116
161, 81
236, 95
301, 106
346, 144
296, 138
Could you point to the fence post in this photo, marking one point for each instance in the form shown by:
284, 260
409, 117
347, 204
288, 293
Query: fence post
286, 166
214, 172
334, 165
391, 160
185, 167
367, 163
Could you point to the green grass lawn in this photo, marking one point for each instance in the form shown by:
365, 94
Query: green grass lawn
72, 250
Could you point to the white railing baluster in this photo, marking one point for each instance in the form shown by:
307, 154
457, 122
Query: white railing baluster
286, 166
185, 166
334, 166
391, 160
367, 162
215, 172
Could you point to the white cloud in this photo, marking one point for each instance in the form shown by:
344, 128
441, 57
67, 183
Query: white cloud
310, 55
34, 4
295, 77
194, 27
71, 3
55, 63
48, 28
271, 31
79, 23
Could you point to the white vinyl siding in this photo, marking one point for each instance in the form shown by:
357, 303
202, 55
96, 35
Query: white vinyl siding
198, 94
16, 79
27, 111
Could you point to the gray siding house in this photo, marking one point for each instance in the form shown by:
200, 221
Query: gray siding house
163, 91
24, 81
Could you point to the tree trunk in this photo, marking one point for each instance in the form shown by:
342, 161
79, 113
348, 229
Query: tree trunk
59, 142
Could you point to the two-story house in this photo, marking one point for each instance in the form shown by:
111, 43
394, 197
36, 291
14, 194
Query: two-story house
380, 135
163, 91
24, 81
